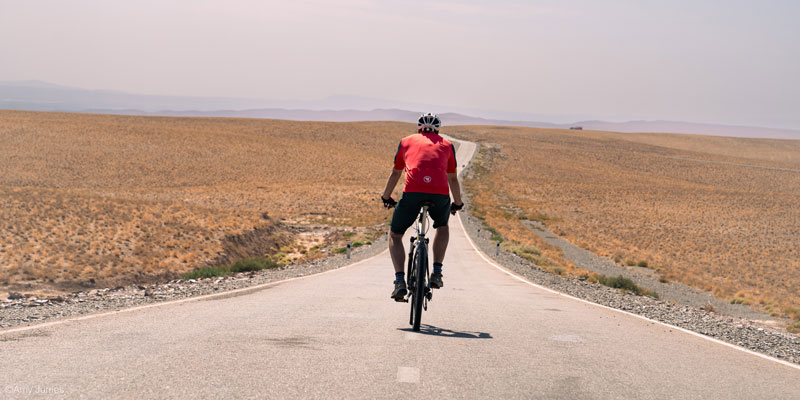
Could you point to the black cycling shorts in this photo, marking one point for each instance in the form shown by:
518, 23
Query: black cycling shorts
407, 210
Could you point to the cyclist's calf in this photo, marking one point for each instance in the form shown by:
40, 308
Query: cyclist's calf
440, 243
397, 251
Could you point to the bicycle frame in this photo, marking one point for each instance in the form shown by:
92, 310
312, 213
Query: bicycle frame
422, 223
420, 229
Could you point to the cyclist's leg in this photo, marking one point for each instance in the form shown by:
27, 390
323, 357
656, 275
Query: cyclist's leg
440, 215
440, 243
404, 215
397, 251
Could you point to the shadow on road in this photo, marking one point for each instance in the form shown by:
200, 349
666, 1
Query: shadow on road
435, 331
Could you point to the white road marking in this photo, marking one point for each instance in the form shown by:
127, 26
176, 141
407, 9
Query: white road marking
407, 375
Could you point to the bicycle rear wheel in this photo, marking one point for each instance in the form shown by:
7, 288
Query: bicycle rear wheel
420, 266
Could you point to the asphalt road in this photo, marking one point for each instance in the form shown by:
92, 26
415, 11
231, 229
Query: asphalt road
338, 335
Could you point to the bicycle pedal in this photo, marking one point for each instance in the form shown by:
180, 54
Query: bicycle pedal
401, 300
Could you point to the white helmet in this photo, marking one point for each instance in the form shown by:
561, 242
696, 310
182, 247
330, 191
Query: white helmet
429, 122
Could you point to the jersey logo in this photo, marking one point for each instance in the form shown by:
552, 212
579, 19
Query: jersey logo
427, 179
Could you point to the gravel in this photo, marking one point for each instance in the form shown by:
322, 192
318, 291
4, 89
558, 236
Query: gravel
21, 310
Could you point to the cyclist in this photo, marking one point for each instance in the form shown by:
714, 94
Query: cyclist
429, 161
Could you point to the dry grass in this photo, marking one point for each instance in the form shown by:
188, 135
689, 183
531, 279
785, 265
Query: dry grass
489, 201
729, 226
98, 199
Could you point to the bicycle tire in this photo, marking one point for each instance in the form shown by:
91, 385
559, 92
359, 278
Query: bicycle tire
420, 262
411, 279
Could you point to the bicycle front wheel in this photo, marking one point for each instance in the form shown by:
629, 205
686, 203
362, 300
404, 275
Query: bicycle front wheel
412, 278
420, 266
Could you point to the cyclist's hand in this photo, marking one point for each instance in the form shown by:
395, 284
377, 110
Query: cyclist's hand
455, 207
388, 203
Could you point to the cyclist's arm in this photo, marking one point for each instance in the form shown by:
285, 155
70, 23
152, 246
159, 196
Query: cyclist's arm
455, 187
392, 182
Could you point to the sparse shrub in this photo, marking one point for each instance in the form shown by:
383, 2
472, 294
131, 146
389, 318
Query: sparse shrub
620, 282
741, 300
642, 264
206, 273
340, 250
357, 243
314, 249
524, 251
245, 265
708, 308
496, 236
253, 264
663, 280
281, 257
541, 217
530, 250
630, 263
793, 312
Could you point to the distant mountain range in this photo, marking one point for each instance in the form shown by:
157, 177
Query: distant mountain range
43, 96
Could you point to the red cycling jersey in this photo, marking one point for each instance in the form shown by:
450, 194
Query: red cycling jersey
427, 159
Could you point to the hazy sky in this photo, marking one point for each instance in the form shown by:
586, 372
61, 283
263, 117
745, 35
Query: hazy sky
715, 61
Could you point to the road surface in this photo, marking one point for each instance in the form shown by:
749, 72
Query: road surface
338, 335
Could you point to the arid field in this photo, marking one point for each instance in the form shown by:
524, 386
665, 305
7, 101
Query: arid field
720, 214
99, 200
91, 200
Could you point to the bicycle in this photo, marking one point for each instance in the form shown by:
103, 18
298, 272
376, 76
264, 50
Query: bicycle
419, 288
